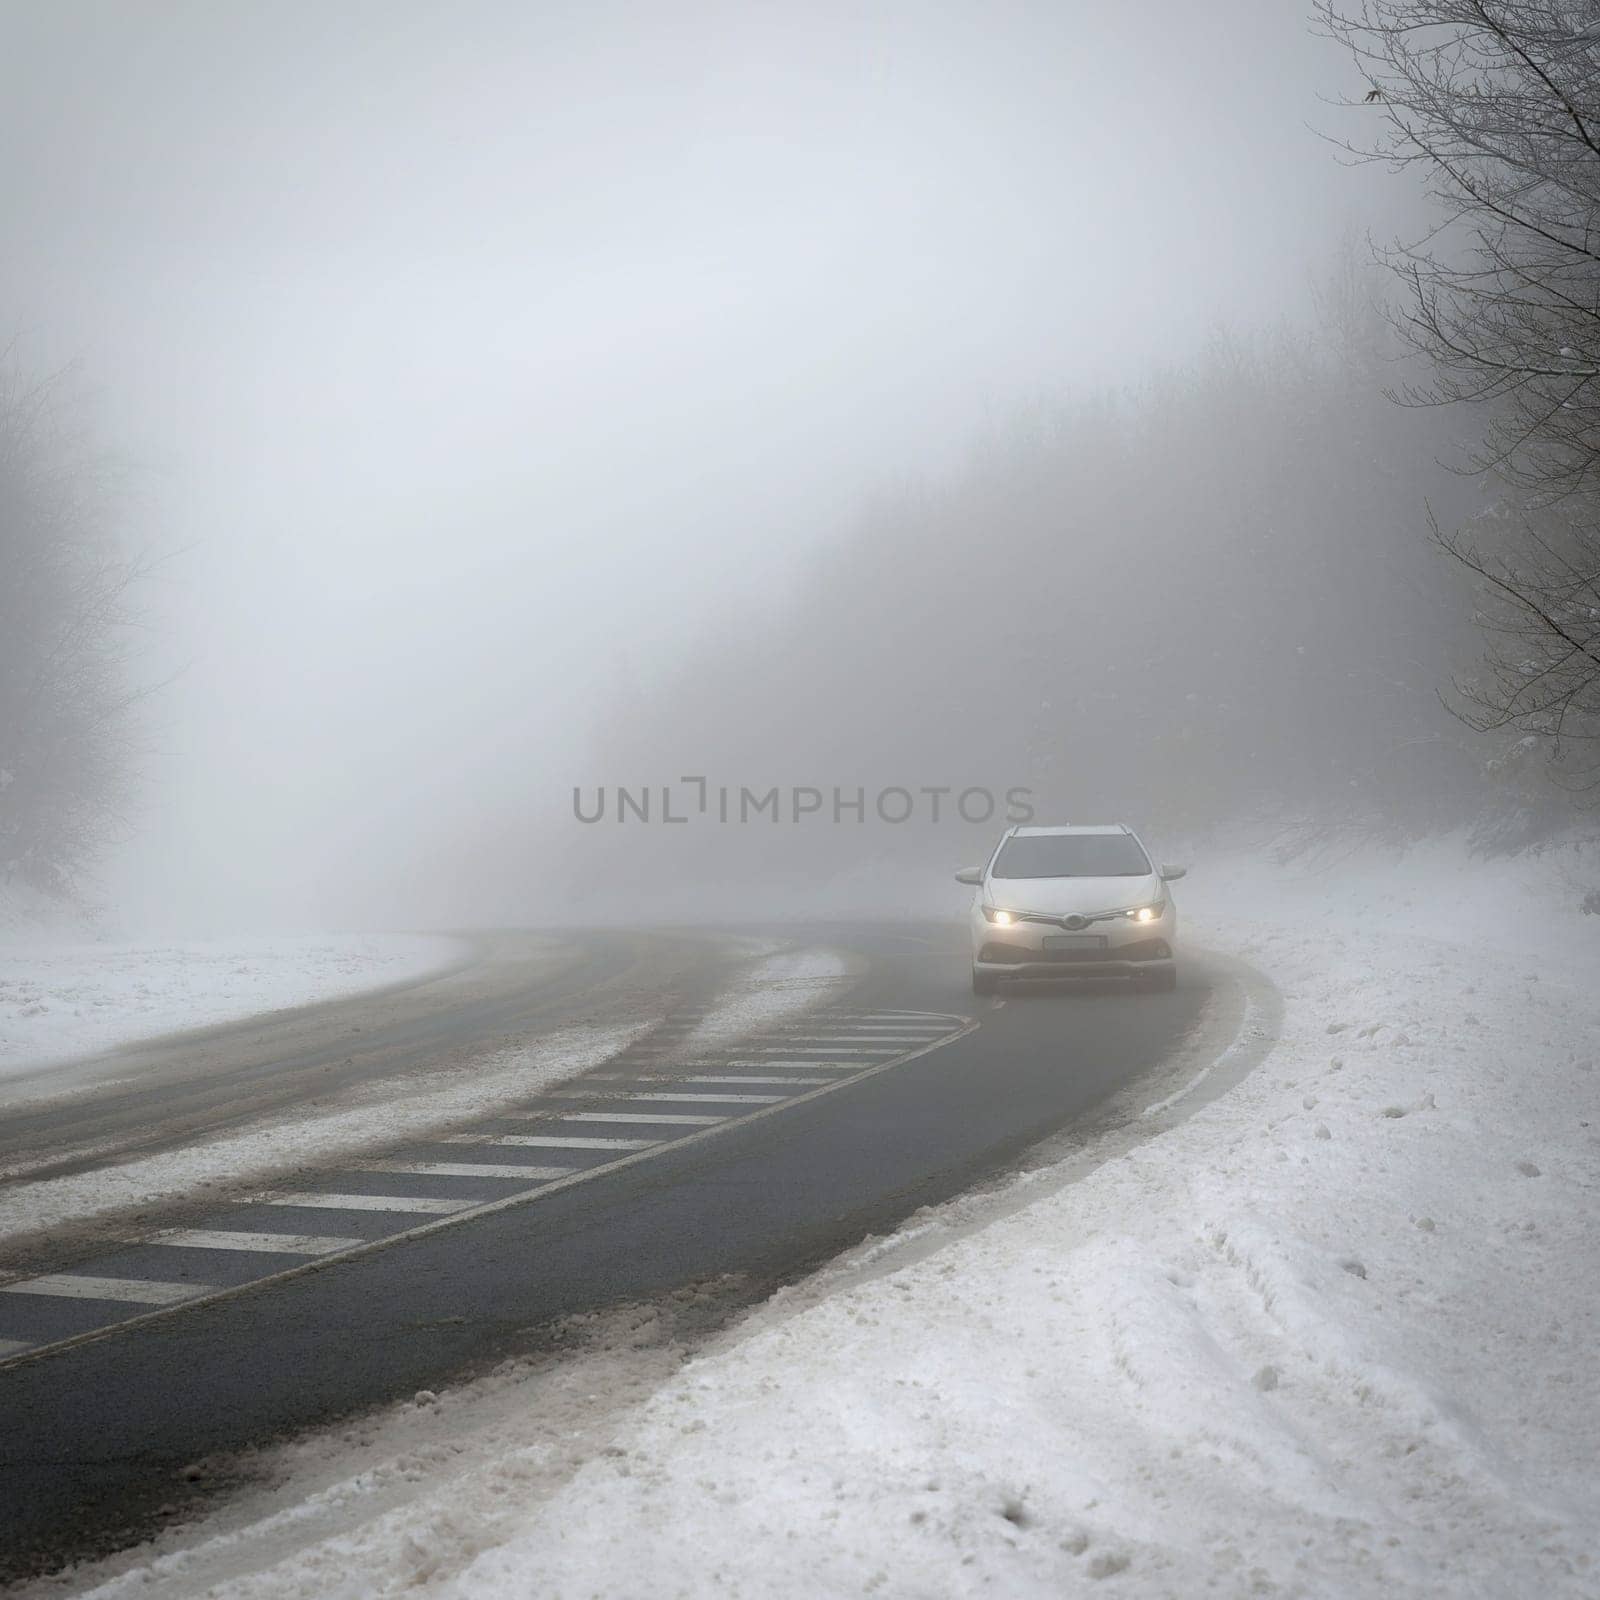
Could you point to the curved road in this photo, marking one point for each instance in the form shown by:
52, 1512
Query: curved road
670, 1166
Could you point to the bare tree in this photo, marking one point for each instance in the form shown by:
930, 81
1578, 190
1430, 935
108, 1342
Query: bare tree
1498, 106
66, 611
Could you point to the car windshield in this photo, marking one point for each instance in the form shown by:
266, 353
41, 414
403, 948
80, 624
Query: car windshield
1071, 855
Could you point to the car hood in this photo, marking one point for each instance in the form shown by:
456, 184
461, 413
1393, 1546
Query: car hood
1062, 896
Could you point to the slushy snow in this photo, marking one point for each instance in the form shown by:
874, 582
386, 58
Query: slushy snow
764, 988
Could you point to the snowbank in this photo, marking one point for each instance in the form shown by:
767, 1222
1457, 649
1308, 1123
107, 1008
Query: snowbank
1332, 1335
62, 1000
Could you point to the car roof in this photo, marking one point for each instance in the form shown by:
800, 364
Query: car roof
1087, 827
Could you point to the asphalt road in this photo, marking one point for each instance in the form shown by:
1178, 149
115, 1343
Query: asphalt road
665, 1168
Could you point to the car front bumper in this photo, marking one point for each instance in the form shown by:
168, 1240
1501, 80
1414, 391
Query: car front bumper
1041, 950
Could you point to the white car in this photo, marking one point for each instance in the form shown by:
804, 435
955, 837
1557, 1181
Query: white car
1080, 902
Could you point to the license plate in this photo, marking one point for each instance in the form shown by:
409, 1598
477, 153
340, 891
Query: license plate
1075, 941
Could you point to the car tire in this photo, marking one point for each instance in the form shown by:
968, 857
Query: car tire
1162, 982
984, 982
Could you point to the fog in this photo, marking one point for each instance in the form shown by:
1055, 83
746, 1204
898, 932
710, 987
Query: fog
484, 371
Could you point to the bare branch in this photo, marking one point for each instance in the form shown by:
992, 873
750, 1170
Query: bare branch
1499, 102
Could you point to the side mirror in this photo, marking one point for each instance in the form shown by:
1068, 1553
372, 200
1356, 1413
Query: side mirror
1172, 874
970, 875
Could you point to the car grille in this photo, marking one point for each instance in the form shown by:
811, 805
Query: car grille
1015, 955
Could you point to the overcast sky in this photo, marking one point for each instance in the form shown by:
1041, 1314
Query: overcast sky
477, 355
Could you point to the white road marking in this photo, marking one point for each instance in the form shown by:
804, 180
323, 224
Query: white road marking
642, 1092
714, 1099
904, 1025
878, 1033
640, 1116
284, 1244
900, 1025
470, 1169
139, 1291
826, 1047
872, 1036
551, 1140
821, 1066
817, 1047
749, 1077
677, 1066
831, 1049
921, 1036
886, 1016
857, 1038
845, 1025
371, 1202
446, 1213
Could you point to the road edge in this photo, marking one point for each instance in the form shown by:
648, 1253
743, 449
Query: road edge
1237, 1030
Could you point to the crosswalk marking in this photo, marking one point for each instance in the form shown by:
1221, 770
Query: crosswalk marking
372, 1202
678, 1066
834, 1052
640, 1116
750, 1077
671, 1097
821, 1050
140, 1291
713, 1099
808, 1061
555, 1141
900, 1019
899, 1025
283, 1244
840, 1047
853, 1038
469, 1169
882, 1029
621, 1078
816, 1048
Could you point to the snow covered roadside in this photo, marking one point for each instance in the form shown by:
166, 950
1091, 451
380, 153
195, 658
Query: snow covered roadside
59, 1000
1333, 1335
1330, 1336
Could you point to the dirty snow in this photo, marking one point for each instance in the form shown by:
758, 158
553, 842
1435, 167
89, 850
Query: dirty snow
381, 1112
60, 1000
1332, 1335
770, 991
763, 989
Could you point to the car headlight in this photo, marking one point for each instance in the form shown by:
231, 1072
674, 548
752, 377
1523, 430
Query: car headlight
1149, 913
1001, 919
